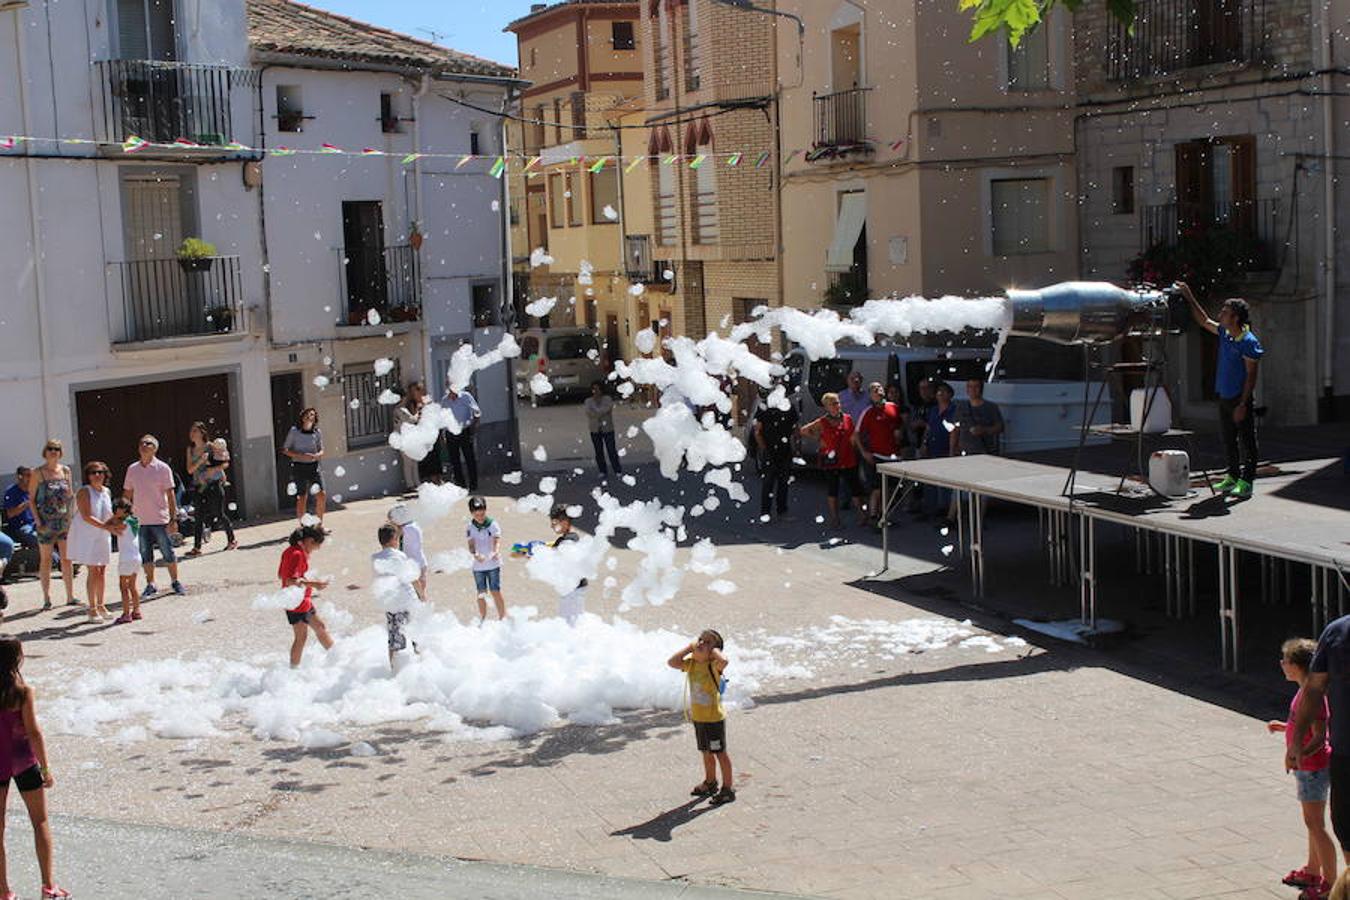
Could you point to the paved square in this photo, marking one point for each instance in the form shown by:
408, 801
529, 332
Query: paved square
969, 771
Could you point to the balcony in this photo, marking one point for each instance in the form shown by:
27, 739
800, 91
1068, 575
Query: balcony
386, 282
1172, 36
846, 289
162, 299
841, 124
168, 103
1255, 222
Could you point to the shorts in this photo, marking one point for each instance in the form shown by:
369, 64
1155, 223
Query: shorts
29, 779
395, 622
297, 618
491, 580
711, 736
53, 529
1314, 786
306, 475
153, 536
849, 476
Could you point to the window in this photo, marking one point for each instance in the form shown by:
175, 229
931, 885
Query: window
145, 30
573, 201
693, 49
389, 121
1029, 62
578, 105
571, 346
661, 51
290, 108
1020, 215
475, 142
369, 422
605, 194
665, 205
622, 35
705, 211
1122, 190
486, 308
555, 201
534, 57
158, 211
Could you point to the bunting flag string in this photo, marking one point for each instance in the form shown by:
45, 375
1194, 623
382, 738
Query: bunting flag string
498, 165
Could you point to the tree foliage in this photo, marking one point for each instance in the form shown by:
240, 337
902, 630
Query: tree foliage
1017, 17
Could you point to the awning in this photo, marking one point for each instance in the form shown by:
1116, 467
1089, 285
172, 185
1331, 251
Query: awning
847, 229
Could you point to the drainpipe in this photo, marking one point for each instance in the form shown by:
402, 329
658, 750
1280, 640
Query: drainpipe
262, 213
39, 275
422, 89
1329, 213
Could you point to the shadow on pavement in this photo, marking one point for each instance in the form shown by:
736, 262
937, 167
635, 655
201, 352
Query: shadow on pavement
552, 746
661, 827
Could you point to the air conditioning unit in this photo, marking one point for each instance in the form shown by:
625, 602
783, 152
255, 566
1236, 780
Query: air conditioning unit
7, 5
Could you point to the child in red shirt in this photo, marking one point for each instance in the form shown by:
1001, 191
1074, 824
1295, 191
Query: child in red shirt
1313, 776
292, 571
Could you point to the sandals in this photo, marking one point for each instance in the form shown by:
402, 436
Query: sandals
704, 789
52, 892
193, 553
1300, 878
725, 795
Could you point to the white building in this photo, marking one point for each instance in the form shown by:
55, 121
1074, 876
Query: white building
105, 334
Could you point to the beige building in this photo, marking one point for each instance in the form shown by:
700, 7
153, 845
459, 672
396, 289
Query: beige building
578, 200
710, 74
915, 162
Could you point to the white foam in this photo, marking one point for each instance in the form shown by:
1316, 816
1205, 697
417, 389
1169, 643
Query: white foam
541, 307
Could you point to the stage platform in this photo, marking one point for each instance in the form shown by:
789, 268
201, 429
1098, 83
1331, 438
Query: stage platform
1298, 516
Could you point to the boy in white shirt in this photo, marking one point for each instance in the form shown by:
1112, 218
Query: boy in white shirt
395, 575
485, 543
411, 545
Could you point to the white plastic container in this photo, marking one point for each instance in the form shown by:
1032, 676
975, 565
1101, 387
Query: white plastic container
1169, 472
1159, 410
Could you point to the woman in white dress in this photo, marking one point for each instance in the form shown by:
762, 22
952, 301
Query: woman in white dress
90, 538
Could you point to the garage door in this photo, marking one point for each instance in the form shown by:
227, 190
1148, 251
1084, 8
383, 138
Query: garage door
111, 420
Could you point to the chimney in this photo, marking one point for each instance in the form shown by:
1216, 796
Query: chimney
537, 7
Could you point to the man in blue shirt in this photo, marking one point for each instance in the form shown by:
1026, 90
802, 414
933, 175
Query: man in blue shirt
1235, 382
465, 410
18, 516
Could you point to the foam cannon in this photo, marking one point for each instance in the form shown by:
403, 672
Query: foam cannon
1096, 312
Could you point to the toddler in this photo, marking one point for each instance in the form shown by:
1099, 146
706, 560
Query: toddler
1313, 776
128, 560
703, 665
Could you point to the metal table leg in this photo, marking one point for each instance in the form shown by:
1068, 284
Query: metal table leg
885, 522
977, 542
1087, 565
1223, 605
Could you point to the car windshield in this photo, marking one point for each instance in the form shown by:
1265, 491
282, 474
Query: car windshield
571, 346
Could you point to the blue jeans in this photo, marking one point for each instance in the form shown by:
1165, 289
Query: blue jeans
491, 580
153, 536
603, 442
6, 548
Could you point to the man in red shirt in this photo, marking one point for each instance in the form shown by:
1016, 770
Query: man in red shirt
877, 439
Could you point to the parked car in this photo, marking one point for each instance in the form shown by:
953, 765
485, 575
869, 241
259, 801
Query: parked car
568, 357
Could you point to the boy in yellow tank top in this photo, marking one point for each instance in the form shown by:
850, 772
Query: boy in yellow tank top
703, 664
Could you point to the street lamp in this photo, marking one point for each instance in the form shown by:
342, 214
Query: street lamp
749, 6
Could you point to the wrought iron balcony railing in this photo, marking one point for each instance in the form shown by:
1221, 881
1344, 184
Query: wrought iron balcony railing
1257, 221
167, 102
385, 281
841, 118
168, 298
1174, 35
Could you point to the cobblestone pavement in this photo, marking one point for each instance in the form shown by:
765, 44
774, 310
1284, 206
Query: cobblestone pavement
1049, 772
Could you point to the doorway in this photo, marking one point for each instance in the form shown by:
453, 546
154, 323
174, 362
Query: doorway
288, 399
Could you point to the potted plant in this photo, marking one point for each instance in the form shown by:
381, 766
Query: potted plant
196, 255
221, 318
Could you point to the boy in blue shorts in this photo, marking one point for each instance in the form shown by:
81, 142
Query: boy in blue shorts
485, 543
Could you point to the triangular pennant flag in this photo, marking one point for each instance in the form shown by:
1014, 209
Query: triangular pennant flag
498, 167
184, 142
533, 161
637, 161
371, 151
897, 145
599, 165
463, 159
668, 159
132, 144
8, 143
282, 151
235, 147
697, 161
763, 158
734, 159
329, 148
791, 155
411, 158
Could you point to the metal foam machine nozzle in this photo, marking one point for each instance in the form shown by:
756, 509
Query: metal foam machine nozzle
1095, 312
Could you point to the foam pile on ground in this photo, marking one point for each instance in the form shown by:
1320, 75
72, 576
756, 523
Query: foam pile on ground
494, 682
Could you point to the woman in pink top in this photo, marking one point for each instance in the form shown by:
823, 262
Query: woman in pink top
23, 759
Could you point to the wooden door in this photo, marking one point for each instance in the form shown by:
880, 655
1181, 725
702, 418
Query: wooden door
1195, 187
110, 422
613, 349
288, 399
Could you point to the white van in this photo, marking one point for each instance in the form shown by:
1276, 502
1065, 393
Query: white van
569, 357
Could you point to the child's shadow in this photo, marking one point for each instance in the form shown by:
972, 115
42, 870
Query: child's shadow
661, 827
